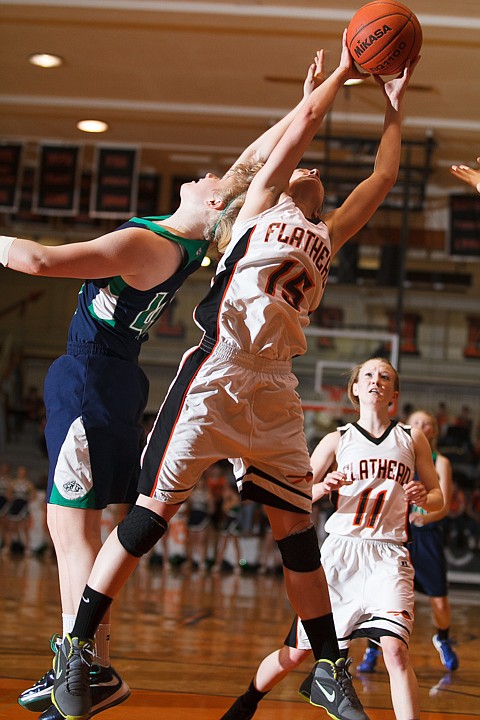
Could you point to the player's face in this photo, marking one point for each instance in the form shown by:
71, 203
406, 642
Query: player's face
308, 181
205, 187
424, 422
375, 384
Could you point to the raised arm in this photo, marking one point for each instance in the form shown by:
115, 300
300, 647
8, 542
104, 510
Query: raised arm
467, 174
260, 149
141, 257
346, 220
274, 177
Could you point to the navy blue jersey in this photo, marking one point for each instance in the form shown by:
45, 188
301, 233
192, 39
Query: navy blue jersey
117, 316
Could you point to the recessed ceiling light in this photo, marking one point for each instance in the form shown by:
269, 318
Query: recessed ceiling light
206, 261
92, 126
45, 60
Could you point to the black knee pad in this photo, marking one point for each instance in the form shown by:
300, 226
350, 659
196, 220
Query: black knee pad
141, 530
301, 552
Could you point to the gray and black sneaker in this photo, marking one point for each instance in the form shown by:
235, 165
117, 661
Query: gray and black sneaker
37, 698
71, 693
107, 688
330, 687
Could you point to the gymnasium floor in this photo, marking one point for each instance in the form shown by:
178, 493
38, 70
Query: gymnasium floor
187, 644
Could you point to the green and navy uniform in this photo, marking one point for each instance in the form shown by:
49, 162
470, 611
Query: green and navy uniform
95, 395
428, 556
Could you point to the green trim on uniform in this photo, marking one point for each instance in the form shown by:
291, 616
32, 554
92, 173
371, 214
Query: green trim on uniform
195, 249
87, 502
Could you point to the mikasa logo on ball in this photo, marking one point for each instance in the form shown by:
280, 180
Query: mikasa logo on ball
366, 43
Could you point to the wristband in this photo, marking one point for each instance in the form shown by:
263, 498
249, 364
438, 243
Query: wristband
5, 244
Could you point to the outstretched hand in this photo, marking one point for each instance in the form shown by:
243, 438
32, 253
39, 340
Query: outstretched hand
347, 64
316, 74
395, 88
467, 175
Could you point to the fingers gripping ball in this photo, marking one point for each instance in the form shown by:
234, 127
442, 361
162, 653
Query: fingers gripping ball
382, 36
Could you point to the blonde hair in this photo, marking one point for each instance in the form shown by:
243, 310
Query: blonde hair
234, 197
354, 375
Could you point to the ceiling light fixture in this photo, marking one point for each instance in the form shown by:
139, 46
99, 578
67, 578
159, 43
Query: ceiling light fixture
45, 60
354, 81
92, 126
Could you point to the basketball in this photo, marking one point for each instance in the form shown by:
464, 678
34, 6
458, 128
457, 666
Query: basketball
382, 36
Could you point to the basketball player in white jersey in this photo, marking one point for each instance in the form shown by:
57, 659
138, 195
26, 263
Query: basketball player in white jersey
235, 394
96, 393
368, 468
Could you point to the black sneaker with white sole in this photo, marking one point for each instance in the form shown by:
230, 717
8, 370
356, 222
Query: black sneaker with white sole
37, 698
330, 687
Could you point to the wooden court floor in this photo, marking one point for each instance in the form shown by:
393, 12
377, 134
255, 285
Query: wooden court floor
188, 644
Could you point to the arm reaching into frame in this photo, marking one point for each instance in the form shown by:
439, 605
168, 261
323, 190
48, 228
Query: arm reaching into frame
467, 175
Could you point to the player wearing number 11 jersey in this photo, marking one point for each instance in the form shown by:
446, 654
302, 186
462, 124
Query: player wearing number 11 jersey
367, 467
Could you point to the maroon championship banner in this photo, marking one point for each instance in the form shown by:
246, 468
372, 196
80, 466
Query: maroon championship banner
464, 235
57, 182
115, 182
11, 157
148, 194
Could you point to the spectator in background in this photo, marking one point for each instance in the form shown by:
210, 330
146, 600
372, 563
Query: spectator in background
199, 509
457, 518
230, 530
5, 499
217, 483
464, 419
442, 419
18, 519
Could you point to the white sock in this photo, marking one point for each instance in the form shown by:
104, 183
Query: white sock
68, 623
102, 645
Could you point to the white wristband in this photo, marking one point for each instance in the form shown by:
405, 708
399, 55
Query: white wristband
5, 245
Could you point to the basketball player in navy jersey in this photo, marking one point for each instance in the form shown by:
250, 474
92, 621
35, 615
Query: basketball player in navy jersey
96, 393
234, 395
368, 468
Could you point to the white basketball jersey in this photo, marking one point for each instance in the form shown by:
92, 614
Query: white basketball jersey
270, 279
373, 506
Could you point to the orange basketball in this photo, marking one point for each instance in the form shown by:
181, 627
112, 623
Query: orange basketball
382, 36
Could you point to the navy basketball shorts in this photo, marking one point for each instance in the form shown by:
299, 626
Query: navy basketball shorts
94, 432
428, 558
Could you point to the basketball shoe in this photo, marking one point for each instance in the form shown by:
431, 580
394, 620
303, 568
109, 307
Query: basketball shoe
37, 698
238, 711
448, 656
330, 687
369, 660
107, 688
71, 694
